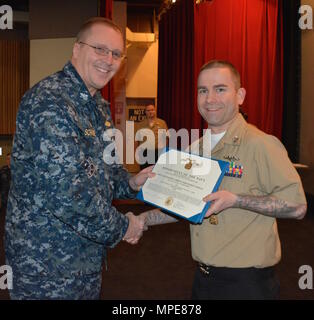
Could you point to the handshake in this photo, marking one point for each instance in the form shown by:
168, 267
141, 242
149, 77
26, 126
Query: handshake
135, 229
140, 223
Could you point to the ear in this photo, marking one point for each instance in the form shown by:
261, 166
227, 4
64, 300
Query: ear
241, 95
76, 50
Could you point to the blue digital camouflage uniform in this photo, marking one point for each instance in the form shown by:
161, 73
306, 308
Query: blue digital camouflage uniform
59, 216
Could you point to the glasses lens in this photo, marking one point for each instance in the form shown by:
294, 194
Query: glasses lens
102, 51
116, 55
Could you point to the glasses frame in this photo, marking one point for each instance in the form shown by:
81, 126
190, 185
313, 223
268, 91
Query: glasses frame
104, 51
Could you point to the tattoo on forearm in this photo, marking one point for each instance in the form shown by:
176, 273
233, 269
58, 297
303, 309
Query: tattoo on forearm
271, 206
154, 217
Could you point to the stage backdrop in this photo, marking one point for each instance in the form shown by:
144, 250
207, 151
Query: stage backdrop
248, 33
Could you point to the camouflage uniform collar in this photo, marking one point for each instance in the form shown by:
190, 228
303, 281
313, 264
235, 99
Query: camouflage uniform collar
80, 90
100, 100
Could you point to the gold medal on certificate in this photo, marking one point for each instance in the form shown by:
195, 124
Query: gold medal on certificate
169, 201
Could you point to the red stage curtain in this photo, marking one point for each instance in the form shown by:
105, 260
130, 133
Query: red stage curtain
248, 33
175, 67
105, 10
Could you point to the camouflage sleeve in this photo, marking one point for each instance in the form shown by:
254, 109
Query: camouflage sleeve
120, 176
78, 201
122, 189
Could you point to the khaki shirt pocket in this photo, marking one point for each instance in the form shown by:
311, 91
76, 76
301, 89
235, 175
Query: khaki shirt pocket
234, 185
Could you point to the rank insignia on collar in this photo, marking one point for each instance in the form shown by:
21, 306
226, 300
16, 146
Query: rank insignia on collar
90, 133
84, 96
235, 171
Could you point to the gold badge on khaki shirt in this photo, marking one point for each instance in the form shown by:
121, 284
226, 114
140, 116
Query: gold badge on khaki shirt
235, 139
213, 219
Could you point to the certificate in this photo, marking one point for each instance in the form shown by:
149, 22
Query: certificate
182, 180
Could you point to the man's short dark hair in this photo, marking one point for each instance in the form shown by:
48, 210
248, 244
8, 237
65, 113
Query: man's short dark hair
224, 64
86, 26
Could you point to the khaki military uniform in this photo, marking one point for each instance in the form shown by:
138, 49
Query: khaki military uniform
244, 238
158, 124
151, 141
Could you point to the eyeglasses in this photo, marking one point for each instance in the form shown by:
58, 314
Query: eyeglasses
104, 51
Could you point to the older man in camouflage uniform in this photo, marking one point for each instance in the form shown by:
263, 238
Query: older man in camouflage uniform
59, 218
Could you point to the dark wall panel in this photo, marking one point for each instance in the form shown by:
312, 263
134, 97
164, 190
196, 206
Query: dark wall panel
58, 18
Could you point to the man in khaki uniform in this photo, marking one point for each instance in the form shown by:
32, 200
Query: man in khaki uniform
238, 245
152, 137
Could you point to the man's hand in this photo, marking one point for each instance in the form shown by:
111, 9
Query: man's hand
220, 200
135, 229
137, 181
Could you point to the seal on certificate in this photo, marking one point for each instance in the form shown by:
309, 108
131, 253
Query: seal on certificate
169, 201
189, 165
